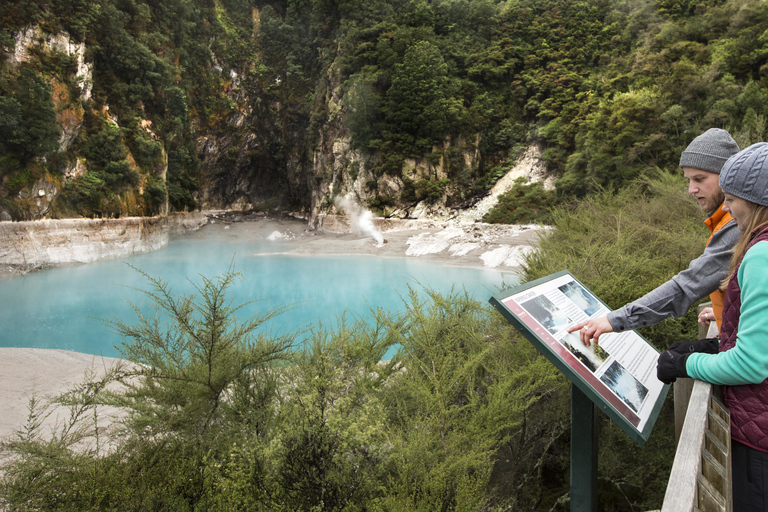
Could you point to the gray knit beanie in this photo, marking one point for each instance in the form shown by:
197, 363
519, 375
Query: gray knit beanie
709, 151
745, 174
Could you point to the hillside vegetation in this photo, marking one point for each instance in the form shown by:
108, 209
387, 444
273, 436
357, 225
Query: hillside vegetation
247, 103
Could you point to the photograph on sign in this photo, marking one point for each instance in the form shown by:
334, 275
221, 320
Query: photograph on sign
620, 371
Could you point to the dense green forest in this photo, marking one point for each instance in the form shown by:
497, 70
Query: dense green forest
214, 102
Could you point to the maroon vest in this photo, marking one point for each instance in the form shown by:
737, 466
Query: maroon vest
748, 403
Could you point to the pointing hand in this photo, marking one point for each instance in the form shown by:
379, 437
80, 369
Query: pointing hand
592, 329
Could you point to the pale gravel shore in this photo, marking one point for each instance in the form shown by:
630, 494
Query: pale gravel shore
454, 245
44, 373
477, 245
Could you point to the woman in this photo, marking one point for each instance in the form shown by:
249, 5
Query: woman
740, 365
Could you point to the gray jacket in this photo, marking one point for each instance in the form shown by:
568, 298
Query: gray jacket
673, 298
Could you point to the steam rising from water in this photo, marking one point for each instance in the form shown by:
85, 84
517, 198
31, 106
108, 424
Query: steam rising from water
360, 219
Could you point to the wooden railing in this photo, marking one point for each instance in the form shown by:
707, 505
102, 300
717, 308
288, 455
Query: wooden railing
701, 473
700, 477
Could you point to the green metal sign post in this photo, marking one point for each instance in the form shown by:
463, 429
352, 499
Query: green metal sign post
583, 452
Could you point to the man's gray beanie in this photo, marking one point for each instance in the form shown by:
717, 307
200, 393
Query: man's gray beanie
709, 151
745, 174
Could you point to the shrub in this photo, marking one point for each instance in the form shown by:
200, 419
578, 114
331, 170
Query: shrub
146, 152
523, 203
467, 385
154, 194
85, 194
380, 202
201, 354
104, 147
119, 174
19, 180
28, 126
430, 191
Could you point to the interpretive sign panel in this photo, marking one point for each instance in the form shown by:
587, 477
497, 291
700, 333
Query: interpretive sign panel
618, 375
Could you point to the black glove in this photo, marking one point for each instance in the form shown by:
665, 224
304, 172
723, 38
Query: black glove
670, 366
707, 346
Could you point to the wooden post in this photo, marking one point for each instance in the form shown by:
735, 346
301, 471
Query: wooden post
583, 452
681, 493
682, 391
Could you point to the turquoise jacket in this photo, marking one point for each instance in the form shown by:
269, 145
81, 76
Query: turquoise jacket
747, 361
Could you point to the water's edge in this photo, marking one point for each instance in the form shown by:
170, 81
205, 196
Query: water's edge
35, 245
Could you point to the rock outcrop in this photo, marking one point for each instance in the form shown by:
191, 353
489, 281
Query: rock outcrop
71, 95
44, 243
32, 36
263, 152
69, 114
529, 167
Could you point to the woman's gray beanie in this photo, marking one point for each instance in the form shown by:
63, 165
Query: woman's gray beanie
745, 174
709, 151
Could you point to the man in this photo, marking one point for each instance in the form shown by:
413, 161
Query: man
701, 163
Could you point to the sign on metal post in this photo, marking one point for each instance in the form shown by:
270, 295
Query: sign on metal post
618, 376
583, 452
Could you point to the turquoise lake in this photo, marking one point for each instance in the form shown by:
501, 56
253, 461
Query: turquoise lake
65, 308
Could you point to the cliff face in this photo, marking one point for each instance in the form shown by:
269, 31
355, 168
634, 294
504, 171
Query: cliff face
340, 174
44, 243
33, 38
34, 202
271, 152
63, 64
268, 144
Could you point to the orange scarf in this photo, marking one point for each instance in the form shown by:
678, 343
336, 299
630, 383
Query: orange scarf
715, 223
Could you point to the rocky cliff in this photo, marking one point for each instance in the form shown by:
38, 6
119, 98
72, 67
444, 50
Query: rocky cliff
29, 189
38, 244
266, 144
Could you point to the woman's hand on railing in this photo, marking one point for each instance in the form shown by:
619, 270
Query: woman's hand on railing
706, 316
671, 366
